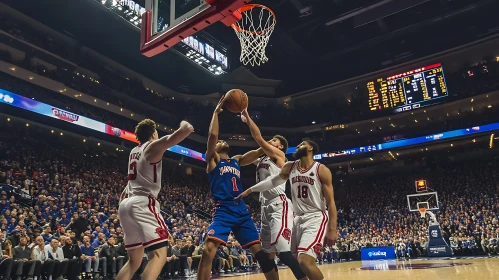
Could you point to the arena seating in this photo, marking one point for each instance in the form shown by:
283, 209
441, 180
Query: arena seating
468, 81
51, 192
58, 180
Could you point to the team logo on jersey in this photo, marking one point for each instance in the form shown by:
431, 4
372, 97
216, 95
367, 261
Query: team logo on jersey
230, 169
286, 233
162, 232
264, 165
65, 116
211, 232
317, 248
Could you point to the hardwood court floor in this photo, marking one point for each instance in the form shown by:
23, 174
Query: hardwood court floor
458, 269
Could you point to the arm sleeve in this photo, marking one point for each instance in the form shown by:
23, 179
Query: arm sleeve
36, 254
268, 184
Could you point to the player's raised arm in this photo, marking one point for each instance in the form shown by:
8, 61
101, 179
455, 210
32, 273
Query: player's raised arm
211, 154
249, 157
154, 151
327, 190
271, 182
268, 149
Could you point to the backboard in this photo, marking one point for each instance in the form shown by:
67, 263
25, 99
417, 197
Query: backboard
167, 22
427, 200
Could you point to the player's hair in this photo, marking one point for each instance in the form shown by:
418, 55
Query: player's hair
315, 147
283, 141
144, 130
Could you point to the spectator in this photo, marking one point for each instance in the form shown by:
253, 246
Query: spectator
72, 253
22, 253
110, 253
55, 253
90, 260
6, 263
44, 265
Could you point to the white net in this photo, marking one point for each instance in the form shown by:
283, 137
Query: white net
254, 30
422, 211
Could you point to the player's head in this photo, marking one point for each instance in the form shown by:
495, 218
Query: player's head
222, 147
146, 131
279, 142
305, 149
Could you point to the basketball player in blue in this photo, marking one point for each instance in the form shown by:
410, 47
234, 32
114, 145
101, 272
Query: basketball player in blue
230, 214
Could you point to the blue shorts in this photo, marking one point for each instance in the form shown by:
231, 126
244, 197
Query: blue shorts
235, 218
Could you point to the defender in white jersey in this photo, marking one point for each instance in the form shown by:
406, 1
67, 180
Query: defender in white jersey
277, 215
139, 210
313, 203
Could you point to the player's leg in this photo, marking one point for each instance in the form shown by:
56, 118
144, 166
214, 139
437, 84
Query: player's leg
155, 238
155, 263
247, 235
308, 265
133, 240
281, 224
218, 232
205, 264
133, 263
312, 229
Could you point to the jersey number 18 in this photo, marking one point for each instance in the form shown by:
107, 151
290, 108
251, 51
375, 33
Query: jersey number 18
302, 191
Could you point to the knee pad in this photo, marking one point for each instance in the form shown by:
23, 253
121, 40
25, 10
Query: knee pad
265, 263
288, 259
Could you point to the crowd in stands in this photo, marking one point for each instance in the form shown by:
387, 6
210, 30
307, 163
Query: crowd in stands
468, 81
468, 193
62, 206
75, 196
58, 207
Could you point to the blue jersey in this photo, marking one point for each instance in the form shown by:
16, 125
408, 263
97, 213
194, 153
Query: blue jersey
225, 180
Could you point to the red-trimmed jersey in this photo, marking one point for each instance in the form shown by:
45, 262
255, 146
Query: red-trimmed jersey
266, 168
306, 189
144, 178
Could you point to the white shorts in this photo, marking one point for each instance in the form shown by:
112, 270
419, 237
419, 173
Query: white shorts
277, 225
309, 232
142, 222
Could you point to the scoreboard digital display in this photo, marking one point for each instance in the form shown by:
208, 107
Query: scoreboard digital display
409, 90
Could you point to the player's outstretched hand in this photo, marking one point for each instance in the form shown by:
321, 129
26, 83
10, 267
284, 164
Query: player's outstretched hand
184, 125
331, 237
244, 194
220, 105
244, 116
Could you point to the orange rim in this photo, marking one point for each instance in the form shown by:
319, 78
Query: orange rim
248, 7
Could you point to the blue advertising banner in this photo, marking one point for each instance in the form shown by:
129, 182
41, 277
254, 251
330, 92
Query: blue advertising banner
377, 253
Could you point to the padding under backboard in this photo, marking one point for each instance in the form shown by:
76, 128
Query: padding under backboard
184, 20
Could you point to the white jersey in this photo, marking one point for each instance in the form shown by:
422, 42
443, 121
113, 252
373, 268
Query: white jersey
144, 178
306, 189
266, 168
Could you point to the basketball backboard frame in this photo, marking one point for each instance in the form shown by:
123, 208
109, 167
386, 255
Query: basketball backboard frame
414, 201
185, 25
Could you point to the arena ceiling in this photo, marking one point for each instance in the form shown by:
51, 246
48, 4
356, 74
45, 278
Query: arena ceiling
316, 42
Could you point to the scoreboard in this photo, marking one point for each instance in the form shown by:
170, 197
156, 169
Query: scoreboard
409, 90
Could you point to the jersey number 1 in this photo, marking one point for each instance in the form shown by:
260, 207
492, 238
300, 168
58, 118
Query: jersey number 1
234, 185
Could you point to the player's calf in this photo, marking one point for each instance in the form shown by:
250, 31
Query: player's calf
308, 265
288, 259
205, 264
266, 264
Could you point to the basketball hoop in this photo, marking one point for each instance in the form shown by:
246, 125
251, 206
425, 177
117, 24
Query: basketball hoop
422, 211
254, 30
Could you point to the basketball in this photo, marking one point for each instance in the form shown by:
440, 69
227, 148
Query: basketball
236, 100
